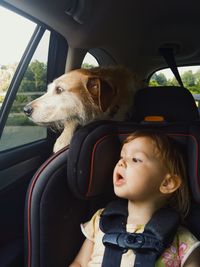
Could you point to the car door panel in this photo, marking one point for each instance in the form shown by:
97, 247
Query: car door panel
19, 163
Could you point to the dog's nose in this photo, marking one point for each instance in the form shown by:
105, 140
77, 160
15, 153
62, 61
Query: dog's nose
28, 110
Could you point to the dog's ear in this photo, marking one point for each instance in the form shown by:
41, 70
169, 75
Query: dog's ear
101, 92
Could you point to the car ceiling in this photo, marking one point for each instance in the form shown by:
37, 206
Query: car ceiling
130, 31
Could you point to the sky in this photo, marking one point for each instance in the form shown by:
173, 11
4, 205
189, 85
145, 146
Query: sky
15, 32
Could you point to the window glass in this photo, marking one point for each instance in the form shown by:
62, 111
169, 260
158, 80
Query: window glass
14, 39
19, 130
89, 61
190, 77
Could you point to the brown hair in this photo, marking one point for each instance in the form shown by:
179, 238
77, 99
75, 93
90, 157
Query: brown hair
172, 155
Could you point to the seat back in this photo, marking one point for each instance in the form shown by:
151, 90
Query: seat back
50, 216
175, 104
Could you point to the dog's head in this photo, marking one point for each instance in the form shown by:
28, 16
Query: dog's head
80, 95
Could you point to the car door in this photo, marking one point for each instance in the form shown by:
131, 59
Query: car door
31, 56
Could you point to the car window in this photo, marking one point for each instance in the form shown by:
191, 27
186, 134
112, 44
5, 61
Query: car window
19, 130
190, 77
89, 61
12, 46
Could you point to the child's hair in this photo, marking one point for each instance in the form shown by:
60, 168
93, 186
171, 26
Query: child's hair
171, 154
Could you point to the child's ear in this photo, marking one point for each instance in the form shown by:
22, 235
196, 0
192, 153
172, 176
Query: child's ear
170, 184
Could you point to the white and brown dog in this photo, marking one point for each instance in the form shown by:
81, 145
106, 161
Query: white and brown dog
82, 96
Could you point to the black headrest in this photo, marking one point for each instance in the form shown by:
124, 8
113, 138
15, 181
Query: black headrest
95, 149
171, 102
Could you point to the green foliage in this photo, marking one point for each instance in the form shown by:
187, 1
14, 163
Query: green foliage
87, 66
190, 80
34, 81
153, 83
35, 78
4, 67
27, 86
1, 99
172, 82
5, 85
159, 79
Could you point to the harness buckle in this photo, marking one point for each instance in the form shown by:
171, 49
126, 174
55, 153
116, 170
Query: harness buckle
136, 240
132, 241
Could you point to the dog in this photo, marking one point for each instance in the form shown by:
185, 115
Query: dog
82, 96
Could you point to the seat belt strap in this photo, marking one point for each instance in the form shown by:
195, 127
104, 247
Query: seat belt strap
158, 234
168, 54
112, 257
145, 260
146, 248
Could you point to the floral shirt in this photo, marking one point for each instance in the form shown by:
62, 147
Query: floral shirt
176, 255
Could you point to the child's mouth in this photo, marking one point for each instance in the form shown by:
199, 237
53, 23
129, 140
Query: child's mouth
119, 180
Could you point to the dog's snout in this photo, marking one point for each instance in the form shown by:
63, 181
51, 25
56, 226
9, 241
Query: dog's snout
28, 110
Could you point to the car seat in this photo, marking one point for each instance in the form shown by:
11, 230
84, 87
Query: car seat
76, 181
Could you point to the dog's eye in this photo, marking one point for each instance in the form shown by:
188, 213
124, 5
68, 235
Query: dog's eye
59, 90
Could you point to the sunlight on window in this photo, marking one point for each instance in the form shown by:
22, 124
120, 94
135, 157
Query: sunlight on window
15, 35
14, 40
89, 61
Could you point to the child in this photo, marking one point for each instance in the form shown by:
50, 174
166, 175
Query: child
150, 174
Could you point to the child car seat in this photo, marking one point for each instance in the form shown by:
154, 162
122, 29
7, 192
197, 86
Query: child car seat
76, 181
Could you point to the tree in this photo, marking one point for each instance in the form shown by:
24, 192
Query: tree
35, 78
173, 82
197, 78
4, 67
153, 83
39, 69
159, 79
27, 86
188, 79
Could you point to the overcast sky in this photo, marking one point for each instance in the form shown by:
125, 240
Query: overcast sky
15, 32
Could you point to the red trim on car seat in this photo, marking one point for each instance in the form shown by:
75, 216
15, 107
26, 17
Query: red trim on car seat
101, 139
36, 176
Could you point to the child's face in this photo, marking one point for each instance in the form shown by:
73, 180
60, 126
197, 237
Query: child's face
139, 172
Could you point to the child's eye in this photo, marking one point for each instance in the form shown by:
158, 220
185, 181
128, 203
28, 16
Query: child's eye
136, 160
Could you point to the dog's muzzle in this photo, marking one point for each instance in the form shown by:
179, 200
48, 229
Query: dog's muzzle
28, 110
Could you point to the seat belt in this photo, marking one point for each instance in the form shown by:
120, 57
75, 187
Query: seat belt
168, 54
157, 236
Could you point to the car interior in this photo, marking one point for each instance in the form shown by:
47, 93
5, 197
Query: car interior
44, 196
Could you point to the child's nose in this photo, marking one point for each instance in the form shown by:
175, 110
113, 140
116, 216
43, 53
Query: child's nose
122, 163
